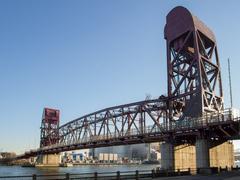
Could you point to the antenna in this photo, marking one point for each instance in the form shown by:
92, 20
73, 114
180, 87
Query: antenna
230, 83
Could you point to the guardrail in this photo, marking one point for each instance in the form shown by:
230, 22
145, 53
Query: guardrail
144, 174
125, 175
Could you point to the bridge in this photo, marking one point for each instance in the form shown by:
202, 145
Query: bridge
191, 113
131, 127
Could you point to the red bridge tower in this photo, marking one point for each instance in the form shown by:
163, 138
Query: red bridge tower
49, 127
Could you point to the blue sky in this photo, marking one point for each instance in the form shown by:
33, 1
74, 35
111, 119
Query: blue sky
82, 56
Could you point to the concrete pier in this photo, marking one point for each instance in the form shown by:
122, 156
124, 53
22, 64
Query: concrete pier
185, 156
202, 153
222, 155
48, 160
167, 155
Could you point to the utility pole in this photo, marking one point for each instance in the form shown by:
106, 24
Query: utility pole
230, 83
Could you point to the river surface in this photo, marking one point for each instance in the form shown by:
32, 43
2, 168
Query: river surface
18, 170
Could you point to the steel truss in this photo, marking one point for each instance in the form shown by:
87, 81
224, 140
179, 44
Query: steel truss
194, 77
118, 123
141, 122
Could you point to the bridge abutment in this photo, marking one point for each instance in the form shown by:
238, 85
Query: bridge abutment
202, 155
48, 160
177, 157
222, 155
185, 156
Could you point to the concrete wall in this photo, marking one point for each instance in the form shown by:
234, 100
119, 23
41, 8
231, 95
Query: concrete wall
48, 160
222, 155
185, 156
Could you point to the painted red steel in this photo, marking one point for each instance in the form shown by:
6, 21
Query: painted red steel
49, 127
194, 74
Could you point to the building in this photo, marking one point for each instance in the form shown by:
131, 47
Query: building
129, 152
7, 154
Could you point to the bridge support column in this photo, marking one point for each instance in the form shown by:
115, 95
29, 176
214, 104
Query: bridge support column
167, 155
202, 153
222, 155
47, 160
185, 156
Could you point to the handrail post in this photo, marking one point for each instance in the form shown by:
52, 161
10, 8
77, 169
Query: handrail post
67, 176
137, 175
95, 176
118, 175
153, 173
167, 172
178, 172
34, 177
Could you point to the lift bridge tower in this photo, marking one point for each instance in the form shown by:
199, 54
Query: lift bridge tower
194, 75
49, 136
194, 81
49, 127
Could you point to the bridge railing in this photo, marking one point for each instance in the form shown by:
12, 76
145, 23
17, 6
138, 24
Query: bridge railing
138, 174
211, 118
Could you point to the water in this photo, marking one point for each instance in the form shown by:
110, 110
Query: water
18, 170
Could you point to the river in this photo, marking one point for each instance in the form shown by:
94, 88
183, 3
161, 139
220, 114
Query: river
18, 170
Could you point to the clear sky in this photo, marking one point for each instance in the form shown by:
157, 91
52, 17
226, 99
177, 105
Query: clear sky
82, 56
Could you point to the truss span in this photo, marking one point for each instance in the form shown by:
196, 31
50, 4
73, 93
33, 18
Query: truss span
141, 122
118, 122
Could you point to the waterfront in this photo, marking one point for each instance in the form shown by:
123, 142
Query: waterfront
189, 124
18, 170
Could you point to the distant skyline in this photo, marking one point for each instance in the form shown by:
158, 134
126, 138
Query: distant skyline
82, 56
